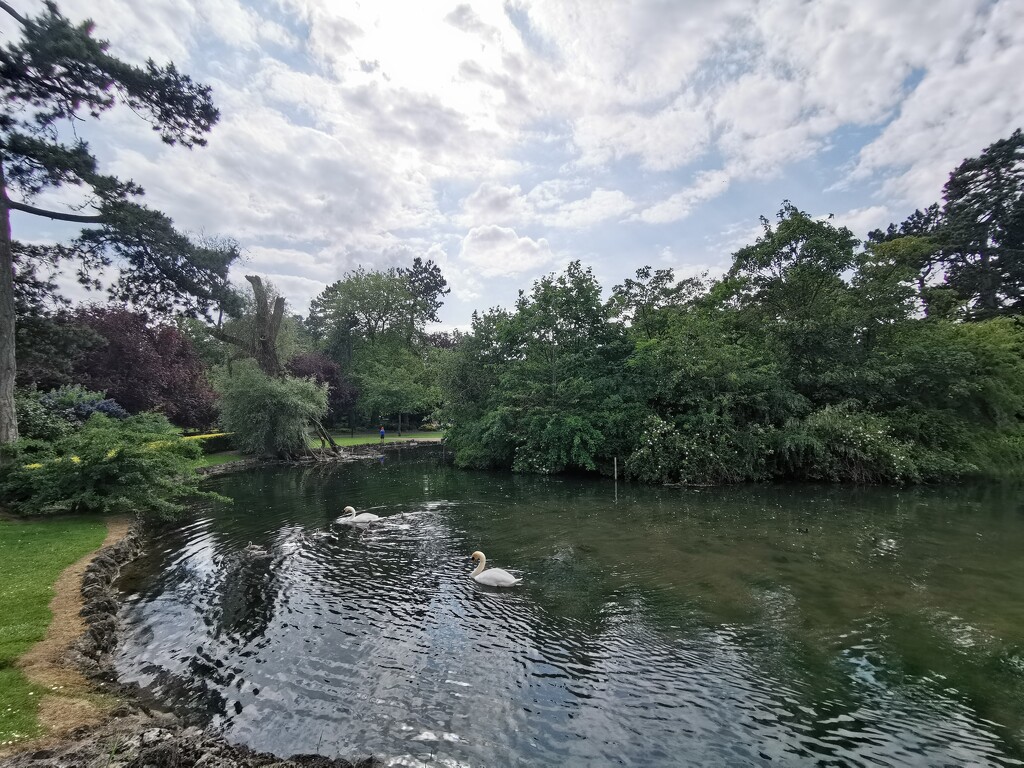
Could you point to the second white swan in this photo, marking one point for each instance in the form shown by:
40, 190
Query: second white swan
492, 577
352, 517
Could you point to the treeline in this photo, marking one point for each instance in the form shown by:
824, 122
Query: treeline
813, 358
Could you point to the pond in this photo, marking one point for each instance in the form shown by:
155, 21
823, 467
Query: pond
752, 625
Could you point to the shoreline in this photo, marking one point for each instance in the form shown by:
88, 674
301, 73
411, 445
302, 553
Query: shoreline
105, 722
348, 455
46, 663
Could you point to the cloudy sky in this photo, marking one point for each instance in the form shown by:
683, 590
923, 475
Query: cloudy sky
503, 140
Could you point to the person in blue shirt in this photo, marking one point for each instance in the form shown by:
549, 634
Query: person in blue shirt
382, 433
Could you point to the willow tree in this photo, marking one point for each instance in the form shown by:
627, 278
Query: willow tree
53, 76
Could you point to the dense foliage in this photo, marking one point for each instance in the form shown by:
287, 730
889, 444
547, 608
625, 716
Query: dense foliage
341, 394
373, 325
268, 415
133, 465
145, 366
54, 74
811, 359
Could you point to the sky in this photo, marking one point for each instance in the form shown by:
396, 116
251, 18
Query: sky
504, 140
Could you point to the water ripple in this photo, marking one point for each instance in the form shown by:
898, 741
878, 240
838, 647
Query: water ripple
617, 648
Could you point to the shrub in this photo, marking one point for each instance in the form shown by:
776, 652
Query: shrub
555, 442
268, 416
701, 451
216, 442
843, 444
77, 404
109, 466
36, 421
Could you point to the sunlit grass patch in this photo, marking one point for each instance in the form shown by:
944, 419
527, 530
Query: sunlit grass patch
32, 556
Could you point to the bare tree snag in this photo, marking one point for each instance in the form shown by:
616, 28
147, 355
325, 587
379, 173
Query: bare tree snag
262, 344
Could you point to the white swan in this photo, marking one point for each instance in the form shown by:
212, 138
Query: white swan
352, 517
492, 577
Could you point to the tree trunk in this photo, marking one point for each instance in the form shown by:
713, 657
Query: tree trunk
8, 366
263, 344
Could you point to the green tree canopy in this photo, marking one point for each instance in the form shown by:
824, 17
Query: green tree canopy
57, 73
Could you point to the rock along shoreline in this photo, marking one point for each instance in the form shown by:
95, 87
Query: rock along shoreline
133, 735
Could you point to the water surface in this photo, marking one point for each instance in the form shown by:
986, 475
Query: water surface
740, 626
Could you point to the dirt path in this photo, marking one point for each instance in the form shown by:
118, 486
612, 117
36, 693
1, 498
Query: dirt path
71, 701
88, 729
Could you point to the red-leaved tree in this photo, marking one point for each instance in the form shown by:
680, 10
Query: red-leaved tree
341, 394
146, 366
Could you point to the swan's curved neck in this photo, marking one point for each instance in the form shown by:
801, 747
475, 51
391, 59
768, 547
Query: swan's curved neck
480, 568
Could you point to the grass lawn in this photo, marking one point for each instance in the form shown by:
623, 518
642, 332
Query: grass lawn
373, 438
32, 555
212, 459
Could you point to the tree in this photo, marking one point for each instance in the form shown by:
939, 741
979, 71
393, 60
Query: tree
549, 376
365, 303
983, 229
145, 366
259, 336
426, 287
48, 340
341, 394
641, 300
790, 292
969, 252
268, 415
54, 75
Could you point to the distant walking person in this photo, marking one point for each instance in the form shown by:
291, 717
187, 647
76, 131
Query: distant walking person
382, 433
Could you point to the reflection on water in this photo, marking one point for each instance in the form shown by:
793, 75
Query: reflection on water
738, 626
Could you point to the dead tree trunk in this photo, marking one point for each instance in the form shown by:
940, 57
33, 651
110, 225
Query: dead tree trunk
262, 344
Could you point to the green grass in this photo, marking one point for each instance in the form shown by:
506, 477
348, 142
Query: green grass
341, 438
213, 459
32, 555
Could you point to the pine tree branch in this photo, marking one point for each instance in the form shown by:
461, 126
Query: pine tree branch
12, 12
75, 217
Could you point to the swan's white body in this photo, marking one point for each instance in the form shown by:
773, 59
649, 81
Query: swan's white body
362, 517
492, 577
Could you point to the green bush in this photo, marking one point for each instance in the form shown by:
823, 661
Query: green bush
268, 416
555, 442
701, 451
37, 422
843, 444
110, 466
217, 442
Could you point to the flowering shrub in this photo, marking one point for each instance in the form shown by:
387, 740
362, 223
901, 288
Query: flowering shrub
215, 442
109, 466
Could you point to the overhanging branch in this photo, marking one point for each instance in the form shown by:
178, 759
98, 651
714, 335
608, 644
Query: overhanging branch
75, 217
227, 338
14, 13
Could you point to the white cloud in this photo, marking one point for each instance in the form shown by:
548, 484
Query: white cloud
707, 186
373, 132
860, 221
545, 204
499, 251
